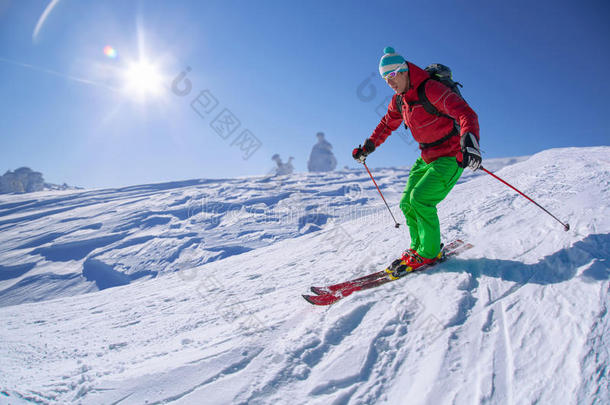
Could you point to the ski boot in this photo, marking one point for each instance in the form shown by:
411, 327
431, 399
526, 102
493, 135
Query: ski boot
400, 261
411, 261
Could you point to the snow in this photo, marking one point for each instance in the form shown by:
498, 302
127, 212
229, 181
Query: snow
189, 292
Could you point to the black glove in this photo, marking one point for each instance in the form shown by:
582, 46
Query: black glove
361, 152
470, 153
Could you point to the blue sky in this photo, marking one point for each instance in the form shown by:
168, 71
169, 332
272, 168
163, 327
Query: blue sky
535, 72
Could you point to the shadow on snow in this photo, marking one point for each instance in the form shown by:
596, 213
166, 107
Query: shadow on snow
556, 268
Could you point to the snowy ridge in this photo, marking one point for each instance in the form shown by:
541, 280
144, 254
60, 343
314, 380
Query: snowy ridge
520, 318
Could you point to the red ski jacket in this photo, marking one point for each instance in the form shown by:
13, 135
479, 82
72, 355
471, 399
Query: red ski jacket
425, 127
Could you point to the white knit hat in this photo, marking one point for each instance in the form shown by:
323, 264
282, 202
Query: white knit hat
391, 61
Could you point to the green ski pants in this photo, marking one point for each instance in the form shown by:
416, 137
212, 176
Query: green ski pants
428, 185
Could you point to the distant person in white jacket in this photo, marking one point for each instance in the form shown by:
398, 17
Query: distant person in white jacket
322, 158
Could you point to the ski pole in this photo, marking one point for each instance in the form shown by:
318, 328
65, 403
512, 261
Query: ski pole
565, 226
396, 224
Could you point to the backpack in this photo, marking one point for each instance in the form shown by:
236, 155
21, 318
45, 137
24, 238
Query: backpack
440, 73
443, 74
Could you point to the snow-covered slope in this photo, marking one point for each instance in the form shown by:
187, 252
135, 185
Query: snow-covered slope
66, 243
521, 318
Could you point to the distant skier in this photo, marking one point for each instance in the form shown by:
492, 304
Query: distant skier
321, 158
282, 168
449, 142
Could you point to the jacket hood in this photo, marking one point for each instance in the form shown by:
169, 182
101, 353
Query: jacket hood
416, 76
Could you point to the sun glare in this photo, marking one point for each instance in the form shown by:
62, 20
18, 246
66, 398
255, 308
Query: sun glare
143, 79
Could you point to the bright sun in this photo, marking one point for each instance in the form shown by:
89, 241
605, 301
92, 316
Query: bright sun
143, 79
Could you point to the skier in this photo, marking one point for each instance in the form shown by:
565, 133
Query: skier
449, 142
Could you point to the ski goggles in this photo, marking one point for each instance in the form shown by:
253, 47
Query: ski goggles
394, 72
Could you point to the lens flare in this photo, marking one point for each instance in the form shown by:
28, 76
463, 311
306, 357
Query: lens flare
110, 52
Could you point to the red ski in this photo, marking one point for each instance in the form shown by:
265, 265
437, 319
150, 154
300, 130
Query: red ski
333, 293
449, 248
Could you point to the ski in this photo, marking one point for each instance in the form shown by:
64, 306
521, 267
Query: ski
447, 249
333, 293
345, 284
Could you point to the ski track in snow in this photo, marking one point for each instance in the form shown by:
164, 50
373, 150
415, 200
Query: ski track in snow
189, 292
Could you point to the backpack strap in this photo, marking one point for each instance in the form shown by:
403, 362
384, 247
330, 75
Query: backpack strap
425, 102
399, 104
454, 132
431, 109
